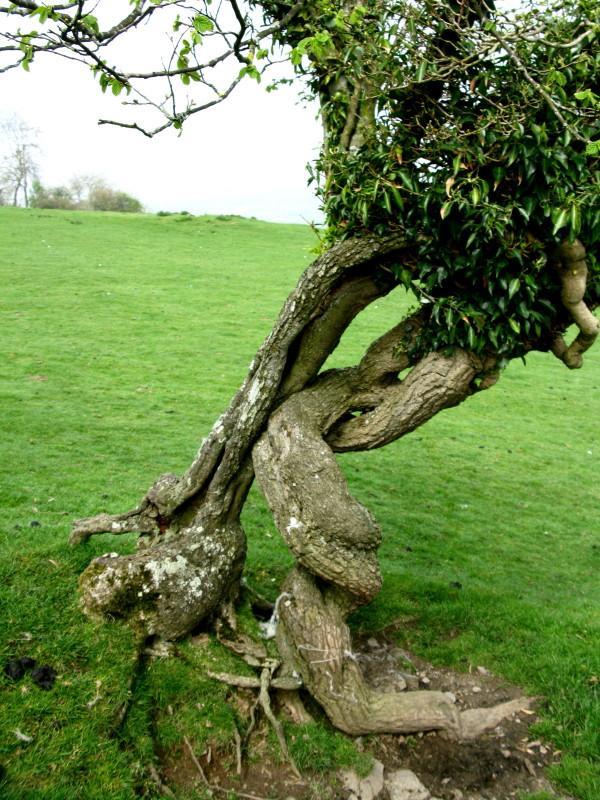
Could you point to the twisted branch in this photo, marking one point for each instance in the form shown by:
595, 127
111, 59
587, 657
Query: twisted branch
572, 270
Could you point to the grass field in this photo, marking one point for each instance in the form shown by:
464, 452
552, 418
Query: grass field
122, 338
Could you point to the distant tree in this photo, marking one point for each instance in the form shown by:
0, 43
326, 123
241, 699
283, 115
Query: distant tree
52, 197
80, 186
102, 197
84, 192
19, 166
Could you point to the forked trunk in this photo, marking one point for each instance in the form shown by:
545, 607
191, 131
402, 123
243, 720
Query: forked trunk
284, 425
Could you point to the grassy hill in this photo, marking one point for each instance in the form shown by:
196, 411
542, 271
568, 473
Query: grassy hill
123, 337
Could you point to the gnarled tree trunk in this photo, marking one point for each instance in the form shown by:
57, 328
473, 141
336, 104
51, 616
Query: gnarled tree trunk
284, 425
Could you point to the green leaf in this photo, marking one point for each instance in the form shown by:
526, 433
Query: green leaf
406, 180
471, 337
513, 287
560, 218
575, 220
445, 209
203, 24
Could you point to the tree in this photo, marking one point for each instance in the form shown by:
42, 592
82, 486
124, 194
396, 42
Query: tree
459, 161
84, 192
19, 166
102, 197
51, 197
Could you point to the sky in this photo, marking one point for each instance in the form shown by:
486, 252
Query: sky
246, 156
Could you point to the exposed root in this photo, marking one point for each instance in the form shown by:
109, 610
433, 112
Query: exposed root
264, 684
293, 705
477, 721
265, 702
160, 784
213, 787
252, 652
238, 750
288, 683
314, 637
197, 764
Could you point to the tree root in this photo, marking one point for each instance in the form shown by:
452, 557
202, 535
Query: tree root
265, 702
158, 781
313, 636
287, 683
264, 684
476, 721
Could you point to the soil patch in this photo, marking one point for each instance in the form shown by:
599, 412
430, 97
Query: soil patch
500, 765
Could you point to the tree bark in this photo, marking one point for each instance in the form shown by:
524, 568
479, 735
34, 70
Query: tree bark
193, 545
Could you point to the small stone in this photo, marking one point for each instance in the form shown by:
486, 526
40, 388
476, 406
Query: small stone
425, 680
411, 681
476, 689
373, 644
404, 785
506, 753
451, 696
457, 794
482, 671
368, 788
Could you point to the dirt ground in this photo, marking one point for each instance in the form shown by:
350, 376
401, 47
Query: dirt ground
500, 765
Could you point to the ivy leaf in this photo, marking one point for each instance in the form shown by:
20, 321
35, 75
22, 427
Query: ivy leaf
513, 287
445, 209
560, 218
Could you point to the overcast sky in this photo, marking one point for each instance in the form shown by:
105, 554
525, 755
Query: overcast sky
247, 156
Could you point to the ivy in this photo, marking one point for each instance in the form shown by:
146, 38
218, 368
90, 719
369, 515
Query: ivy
478, 170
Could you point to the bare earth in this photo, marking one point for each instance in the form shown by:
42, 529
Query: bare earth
500, 765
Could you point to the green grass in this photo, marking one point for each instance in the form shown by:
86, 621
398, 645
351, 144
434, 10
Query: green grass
122, 339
